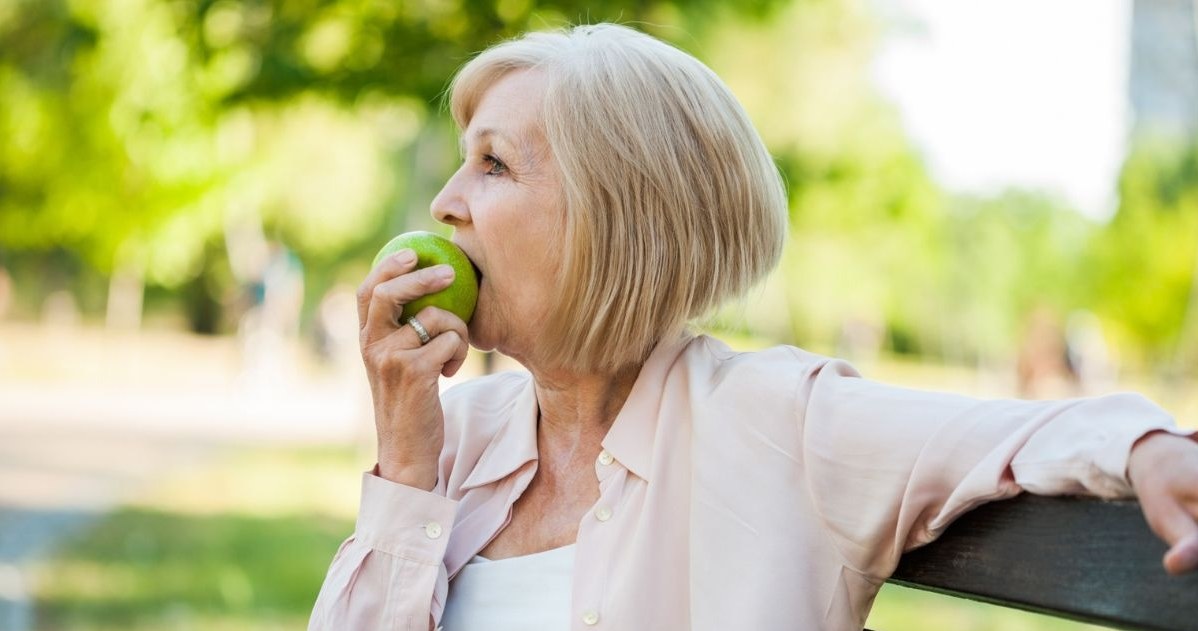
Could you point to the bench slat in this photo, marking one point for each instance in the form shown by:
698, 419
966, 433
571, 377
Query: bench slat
1070, 557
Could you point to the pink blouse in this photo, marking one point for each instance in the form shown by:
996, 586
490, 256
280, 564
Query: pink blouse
766, 490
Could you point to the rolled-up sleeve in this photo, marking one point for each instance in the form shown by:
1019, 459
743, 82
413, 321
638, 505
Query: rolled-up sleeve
390, 573
890, 467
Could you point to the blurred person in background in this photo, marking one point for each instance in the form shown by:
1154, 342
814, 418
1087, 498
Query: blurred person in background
271, 280
1044, 367
640, 476
1089, 354
335, 343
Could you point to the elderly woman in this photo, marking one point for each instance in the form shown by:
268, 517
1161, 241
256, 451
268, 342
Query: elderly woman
639, 476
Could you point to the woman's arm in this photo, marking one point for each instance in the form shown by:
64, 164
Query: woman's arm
890, 467
390, 573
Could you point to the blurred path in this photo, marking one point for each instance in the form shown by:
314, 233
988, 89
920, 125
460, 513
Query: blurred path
171, 384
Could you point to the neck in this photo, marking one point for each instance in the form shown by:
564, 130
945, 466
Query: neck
577, 409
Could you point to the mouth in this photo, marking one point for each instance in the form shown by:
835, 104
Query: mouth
478, 273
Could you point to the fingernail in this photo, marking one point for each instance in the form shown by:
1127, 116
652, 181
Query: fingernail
1182, 558
1189, 558
443, 272
405, 256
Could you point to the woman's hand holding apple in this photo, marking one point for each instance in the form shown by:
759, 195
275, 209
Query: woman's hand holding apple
402, 372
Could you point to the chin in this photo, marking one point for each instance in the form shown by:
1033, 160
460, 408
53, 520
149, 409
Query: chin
479, 344
479, 334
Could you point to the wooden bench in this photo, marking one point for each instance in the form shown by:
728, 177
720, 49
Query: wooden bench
1069, 557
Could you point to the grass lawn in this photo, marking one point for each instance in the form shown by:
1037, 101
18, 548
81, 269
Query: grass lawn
244, 543
902, 609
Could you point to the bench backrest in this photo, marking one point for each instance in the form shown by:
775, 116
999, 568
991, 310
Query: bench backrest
1079, 558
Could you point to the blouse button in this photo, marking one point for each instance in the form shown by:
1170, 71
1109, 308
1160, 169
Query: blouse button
590, 618
603, 513
432, 530
605, 458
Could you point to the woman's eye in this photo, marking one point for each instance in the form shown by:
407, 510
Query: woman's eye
495, 166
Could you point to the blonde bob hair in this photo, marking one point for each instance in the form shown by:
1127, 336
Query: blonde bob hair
673, 203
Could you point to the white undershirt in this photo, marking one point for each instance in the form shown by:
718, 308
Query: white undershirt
524, 593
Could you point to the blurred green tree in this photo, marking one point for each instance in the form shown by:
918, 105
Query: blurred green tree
1012, 254
140, 133
866, 218
1144, 263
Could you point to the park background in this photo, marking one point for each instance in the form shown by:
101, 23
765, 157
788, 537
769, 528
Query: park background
998, 198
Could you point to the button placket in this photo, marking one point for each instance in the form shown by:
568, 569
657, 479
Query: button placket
599, 536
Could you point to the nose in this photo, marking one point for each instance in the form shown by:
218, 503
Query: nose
449, 206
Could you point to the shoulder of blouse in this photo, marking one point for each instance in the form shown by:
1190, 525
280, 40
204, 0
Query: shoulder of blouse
770, 372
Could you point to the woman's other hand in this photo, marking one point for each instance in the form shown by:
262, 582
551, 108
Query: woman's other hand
1163, 469
403, 372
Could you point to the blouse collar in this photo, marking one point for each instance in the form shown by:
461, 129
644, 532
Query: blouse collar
632, 436
630, 439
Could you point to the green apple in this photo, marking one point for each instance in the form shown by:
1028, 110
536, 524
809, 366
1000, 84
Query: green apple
431, 249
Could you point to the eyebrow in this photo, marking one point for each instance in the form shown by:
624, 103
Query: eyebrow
484, 133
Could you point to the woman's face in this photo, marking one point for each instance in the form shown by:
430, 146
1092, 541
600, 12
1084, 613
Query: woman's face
506, 206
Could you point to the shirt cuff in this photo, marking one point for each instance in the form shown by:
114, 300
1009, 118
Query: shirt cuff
1137, 418
404, 521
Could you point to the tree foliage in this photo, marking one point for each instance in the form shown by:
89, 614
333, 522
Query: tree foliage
138, 130
1145, 260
